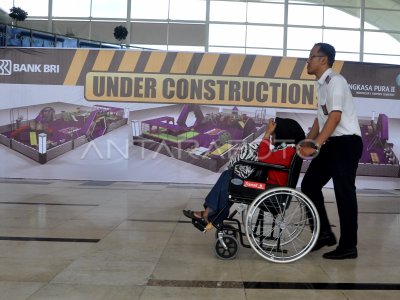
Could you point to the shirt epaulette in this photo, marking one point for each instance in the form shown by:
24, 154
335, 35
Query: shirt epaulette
328, 78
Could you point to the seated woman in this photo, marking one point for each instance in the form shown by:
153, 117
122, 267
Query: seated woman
284, 134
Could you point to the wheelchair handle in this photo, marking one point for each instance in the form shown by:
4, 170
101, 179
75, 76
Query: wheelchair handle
261, 164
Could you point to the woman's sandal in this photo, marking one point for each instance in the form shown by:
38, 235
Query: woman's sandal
192, 215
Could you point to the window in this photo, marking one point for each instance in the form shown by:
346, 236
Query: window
228, 11
237, 50
268, 13
264, 36
348, 18
343, 40
376, 58
299, 53
75, 8
378, 4
109, 8
237, 26
187, 10
33, 8
347, 56
310, 15
6, 5
261, 51
387, 43
149, 9
303, 38
379, 16
218, 35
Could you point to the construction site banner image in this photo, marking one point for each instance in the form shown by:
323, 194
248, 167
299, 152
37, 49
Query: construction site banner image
190, 78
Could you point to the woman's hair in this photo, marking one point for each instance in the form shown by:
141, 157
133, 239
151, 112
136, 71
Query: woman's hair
288, 131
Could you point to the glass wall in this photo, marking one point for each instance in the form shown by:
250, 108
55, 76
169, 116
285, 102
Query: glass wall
109, 9
361, 30
71, 8
37, 8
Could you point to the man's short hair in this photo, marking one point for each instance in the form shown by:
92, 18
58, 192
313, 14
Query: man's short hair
327, 50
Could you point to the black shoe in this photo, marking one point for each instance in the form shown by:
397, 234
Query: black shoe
341, 253
191, 215
326, 238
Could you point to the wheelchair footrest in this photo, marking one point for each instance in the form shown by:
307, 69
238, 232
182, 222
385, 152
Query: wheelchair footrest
200, 225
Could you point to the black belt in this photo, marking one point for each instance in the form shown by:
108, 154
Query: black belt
332, 138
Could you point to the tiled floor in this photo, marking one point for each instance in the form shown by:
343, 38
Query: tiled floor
127, 240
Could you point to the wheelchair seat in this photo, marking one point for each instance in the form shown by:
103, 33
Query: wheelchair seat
246, 190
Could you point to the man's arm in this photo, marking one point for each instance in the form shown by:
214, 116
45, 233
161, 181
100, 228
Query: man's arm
331, 123
314, 130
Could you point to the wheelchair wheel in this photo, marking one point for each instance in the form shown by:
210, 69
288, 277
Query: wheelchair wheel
231, 250
282, 225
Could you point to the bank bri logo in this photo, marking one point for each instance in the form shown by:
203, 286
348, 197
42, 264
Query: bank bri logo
5, 67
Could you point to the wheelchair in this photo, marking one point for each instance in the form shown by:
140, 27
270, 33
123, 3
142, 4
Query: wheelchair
280, 223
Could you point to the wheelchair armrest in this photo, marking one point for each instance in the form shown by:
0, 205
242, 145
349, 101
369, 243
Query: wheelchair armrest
259, 164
